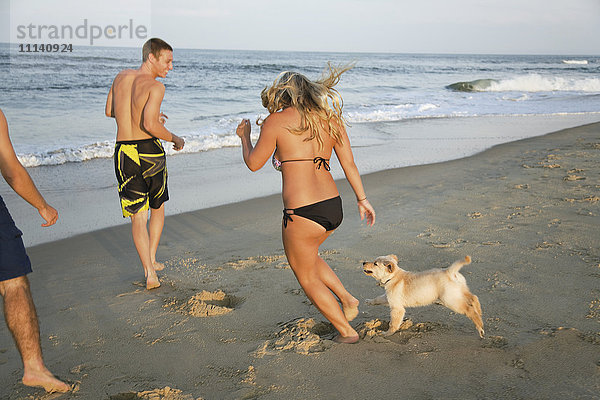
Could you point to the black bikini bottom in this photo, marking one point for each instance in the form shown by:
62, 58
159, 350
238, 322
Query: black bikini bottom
327, 213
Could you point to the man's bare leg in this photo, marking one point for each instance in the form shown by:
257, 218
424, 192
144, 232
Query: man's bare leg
157, 222
21, 319
139, 231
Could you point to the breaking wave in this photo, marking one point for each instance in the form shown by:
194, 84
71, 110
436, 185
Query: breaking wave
193, 144
576, 62
529, 83
479, 85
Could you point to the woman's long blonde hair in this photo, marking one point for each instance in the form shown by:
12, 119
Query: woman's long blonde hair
318, 102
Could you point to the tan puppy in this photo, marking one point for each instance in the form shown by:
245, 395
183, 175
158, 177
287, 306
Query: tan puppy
410, 289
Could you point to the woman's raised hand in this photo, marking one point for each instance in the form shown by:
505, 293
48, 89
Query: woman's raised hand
243, 129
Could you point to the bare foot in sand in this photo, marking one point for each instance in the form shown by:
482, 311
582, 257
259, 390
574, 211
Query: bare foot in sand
158, 266
350, 308
346, 339
44, 378
152, 281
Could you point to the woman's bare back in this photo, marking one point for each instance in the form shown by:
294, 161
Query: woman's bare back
304, 182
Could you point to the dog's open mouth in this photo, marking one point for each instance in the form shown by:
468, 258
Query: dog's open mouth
367, 271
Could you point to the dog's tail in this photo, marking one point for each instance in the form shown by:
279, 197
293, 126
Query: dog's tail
454, 269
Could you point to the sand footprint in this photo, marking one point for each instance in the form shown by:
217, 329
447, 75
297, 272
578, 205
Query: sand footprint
205, 304
165, 393
260, 262
574, 177
522, 186
373, 330
302, 336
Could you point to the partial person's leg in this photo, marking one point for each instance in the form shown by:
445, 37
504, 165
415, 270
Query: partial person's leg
157, 222
349, 302
301, 241
331, 280
141, 239
21, 319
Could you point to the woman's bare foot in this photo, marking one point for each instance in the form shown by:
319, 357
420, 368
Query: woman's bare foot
152, 281
44, 378
346, 339
158, 266
350, 308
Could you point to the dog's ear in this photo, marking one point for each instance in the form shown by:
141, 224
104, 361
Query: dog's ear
390, 267
393, 256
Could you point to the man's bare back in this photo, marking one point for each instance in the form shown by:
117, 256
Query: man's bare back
131, 90
135, 98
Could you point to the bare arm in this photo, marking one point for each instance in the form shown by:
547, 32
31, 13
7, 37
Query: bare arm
18, 178
256, 156
151, 117
109, 110
346, 158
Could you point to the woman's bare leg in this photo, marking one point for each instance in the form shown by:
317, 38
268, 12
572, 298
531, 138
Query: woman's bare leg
331, 280
349, 302
301, 240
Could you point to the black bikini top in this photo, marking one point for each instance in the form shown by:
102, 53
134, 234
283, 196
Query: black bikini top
320, 161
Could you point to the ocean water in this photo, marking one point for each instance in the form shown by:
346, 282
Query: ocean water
403, 109
55, 101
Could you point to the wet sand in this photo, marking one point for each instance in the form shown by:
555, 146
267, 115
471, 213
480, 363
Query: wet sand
231, 322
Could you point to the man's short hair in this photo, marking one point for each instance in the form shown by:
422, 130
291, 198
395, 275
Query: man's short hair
154, 46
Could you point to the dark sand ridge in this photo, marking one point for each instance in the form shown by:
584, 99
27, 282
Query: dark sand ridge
527, 212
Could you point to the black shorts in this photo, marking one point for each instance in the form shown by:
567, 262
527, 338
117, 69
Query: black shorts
14, 261
141, 169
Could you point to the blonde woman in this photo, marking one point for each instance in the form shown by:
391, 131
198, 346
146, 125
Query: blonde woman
304, 126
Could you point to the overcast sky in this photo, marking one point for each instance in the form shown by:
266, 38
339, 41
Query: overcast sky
405, 26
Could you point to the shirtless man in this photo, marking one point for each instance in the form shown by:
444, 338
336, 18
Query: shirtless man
19, 310
140, 164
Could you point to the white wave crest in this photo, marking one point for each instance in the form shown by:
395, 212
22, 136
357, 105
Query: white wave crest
576, 62
539, 83
193, 144
65, 155
213, 141
390, 113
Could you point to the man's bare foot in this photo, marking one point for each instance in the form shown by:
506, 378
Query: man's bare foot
158, 266
350, 309
46, 380
152, 281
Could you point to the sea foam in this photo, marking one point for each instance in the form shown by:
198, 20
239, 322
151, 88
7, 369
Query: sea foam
193, 144
65, 155
390, 113
576, 62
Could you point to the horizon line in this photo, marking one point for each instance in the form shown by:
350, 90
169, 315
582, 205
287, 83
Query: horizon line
343, 51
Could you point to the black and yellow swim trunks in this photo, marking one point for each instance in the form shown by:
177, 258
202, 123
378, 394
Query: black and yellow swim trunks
141, 169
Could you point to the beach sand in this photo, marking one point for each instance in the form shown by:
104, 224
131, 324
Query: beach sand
231, 322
